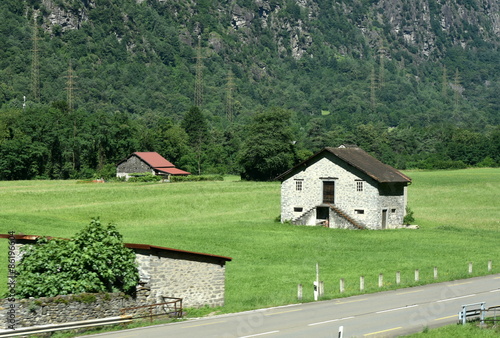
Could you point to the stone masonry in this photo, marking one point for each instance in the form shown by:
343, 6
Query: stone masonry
68, 308
198, 280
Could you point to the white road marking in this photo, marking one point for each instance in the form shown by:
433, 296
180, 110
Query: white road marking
396, 309
330, 321
447, 300
260, 334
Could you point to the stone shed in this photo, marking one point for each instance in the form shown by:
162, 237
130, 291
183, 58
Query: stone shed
197, 278
344, 187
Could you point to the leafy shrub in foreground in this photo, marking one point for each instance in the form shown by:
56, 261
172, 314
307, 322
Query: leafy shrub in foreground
95, 260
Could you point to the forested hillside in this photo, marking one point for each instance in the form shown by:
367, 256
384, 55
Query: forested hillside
83, 83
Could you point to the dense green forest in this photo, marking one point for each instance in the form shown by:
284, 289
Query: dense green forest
84, 83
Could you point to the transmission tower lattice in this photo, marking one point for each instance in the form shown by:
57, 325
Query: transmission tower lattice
198, 85
70, 87
229, 97
35, 65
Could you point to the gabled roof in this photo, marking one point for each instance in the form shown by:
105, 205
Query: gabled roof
359, 159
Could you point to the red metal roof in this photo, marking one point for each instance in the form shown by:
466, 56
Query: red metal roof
127, 245
154, 159
173, 171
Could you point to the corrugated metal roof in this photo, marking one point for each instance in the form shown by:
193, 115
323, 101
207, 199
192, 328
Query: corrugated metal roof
358, 158
128, 245
173, 171
154, 159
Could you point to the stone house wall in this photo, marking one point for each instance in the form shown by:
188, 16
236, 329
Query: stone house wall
198, 280
366, 206
132, 165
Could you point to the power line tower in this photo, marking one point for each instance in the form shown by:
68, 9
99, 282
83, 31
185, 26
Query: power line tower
35, 64
373, 88
381, 68
444, 89
70, 87
229, 97
458, 89
198, 84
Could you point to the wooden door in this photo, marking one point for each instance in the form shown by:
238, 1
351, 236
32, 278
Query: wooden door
329, 192
384, 218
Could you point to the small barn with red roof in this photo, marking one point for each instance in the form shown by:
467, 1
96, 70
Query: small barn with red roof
148, 162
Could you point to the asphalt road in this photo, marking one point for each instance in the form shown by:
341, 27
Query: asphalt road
383, 314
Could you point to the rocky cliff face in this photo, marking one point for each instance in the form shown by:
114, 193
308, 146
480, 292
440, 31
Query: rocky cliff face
60, 17
428, 25
422, 28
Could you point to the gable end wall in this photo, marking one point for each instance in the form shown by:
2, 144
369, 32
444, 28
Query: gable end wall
132, 165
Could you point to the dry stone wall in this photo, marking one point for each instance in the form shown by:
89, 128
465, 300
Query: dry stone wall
67, 308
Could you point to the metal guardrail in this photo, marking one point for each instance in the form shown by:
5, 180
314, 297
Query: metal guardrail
23, 331
496, 315
470, 313
172, 308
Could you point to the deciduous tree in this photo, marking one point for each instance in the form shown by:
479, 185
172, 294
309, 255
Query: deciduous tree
269, 148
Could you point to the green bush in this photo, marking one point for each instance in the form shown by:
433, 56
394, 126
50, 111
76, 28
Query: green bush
194, 178
144, 177
95, 260
408, 219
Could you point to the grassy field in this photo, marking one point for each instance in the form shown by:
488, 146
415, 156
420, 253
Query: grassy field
471, 330
457, 211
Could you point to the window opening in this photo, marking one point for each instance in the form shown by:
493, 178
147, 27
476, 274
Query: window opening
359, 185
298, 185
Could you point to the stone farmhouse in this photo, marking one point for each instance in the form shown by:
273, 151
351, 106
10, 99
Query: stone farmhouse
344, 187
148, 162
197, 278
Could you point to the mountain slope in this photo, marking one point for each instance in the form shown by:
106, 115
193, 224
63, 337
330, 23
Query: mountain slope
338, 66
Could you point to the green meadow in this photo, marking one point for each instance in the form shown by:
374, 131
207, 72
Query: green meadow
458, 213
